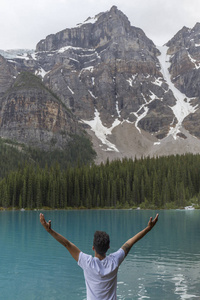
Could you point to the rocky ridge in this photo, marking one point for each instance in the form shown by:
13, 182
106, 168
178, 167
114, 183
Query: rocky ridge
132, 97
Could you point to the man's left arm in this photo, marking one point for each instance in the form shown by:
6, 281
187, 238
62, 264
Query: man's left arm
73, 249
128, 245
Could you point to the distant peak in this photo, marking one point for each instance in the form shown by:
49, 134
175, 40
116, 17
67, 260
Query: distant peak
114, 8
197, 26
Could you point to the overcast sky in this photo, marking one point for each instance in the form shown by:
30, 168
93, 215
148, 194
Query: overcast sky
23, 23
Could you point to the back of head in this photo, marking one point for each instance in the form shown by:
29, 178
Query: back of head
101, 242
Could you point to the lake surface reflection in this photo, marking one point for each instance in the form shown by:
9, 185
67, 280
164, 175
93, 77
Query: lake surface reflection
164, 265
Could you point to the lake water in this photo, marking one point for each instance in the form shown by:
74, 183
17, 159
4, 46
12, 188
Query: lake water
164, 265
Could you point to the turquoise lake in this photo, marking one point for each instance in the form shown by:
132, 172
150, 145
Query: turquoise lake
164, 265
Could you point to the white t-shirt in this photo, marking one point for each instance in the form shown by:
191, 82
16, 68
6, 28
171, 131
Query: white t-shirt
101, 275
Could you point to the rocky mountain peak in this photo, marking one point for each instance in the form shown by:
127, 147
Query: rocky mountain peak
132, 98
184, 49
185, 38
94, 33
196, 28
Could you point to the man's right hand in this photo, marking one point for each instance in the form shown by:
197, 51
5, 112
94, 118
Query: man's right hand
73, 250
45, 224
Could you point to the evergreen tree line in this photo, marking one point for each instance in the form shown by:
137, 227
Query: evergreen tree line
163, 182
13, 155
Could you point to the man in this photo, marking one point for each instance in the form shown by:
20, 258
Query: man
100, 271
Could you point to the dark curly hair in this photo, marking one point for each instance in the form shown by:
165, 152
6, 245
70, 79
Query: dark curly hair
101, 242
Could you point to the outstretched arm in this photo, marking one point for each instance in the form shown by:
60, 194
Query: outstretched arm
73, 250
128, 245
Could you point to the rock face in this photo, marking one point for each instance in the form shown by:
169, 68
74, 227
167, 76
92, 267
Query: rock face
184, 49
7, 75
110, 66
31, 114
114, 80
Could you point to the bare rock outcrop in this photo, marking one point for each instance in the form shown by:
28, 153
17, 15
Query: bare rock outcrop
32, 115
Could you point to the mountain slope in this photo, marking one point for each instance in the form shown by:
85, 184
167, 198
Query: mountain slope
33, 115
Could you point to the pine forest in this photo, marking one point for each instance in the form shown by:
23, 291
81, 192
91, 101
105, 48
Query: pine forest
164, 182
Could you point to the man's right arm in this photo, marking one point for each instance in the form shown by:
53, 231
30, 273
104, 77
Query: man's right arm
128, 245
73, 250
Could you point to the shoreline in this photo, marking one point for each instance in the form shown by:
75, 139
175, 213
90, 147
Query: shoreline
186, 208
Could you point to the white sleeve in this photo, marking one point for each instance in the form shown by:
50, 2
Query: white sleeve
119, 256
83, 260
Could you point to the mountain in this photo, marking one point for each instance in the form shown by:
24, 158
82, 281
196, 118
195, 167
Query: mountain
132, 98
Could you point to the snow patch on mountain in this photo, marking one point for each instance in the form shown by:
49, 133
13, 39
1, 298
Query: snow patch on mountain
17, 53
41, 72
182, 108
144, 107
93, 96
158, 81
194, 61
117, 109
131, 80
70, 90
65, 48
101, 131
91, 20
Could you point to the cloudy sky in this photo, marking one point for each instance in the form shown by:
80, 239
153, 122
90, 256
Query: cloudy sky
23, 23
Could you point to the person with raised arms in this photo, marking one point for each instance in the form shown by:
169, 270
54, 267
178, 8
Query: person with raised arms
100, 271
